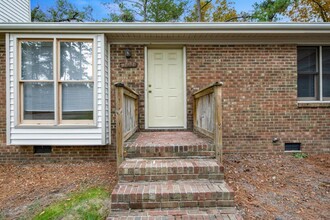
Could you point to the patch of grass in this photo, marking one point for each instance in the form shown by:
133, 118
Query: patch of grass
300, 155
80, 205
2, 216
91, 213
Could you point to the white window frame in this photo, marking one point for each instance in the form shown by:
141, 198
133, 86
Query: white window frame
57, 122
320, 81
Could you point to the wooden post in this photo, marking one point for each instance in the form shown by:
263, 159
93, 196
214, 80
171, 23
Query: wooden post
136, 113
119, 122
195, 100
218, 122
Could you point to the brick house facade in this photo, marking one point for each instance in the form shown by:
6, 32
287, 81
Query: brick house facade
259, 100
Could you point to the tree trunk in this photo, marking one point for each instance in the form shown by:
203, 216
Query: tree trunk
199, 11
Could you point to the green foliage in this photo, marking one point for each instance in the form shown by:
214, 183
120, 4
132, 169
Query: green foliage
220, 11
206, 12
146, 10
270, 10
165, 10
300, 155
85, 201
90, 213
310, 11
224, 11
37, 15
63, 11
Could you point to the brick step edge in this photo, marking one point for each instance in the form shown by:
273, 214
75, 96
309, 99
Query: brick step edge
172, 194
168, 177
169, 214
172, 204
133, 150
134, 170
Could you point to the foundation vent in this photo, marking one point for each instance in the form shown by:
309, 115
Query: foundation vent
42, 149
292, 147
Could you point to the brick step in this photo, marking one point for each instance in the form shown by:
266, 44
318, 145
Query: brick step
168, 151
171, 194
174, 214
171, 169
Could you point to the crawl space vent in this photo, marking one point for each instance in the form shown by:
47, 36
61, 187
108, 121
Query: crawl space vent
292, 146
42, 149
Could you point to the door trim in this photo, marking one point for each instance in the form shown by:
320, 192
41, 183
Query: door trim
146, 116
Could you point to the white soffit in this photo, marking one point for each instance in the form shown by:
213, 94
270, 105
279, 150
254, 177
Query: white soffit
179, 32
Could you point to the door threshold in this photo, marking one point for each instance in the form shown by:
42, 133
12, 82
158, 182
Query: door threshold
165, 128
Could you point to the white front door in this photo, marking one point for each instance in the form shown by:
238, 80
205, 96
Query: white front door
165, 88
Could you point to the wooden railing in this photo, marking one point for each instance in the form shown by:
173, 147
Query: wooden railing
207, 115
126, 117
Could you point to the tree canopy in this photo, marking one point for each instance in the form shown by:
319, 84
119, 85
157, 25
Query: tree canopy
147, 10
310, 11
63, 11
184, 10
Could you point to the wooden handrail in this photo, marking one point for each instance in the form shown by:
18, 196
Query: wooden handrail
126, 117
201, 92
207, 115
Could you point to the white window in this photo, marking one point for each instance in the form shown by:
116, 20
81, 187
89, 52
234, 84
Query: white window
313, 73
56, 81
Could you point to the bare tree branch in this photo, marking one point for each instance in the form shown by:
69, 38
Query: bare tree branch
206, 3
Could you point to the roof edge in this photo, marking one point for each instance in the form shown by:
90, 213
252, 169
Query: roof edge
175, 27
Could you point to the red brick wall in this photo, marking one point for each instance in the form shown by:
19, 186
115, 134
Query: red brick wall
260, 94
131, 77
25, 153
259, 97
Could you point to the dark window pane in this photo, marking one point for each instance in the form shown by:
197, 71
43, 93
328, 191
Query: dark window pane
307, 60
326, 60
76, 60
37, 60
326, 85
306, 85
77, 101
38, 101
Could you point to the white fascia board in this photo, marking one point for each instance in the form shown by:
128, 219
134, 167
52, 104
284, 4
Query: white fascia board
175, 27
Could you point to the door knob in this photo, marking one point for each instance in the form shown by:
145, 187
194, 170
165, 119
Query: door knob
149, 91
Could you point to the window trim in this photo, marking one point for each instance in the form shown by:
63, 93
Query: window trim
21, 83
60, 82
318, 98
56, 81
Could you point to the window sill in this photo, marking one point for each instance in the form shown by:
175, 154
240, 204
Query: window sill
43, 126
313, 104
292, 151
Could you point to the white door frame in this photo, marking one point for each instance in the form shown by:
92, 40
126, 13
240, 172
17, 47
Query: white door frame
146, 116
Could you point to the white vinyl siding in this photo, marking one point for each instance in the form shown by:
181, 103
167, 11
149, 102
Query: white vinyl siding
72, 134
107, 91
15, 11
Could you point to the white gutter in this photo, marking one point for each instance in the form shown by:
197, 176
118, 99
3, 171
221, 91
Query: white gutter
168, 27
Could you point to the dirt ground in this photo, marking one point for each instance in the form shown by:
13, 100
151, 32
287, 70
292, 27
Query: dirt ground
267, 187
27, 189
280, 186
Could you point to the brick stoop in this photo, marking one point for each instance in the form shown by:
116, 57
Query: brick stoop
191, 214
172, 175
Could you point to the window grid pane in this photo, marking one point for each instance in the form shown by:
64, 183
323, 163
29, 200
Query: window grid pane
308, 75
326, 72
307, 60
76, 61
36, 60
38, 101
77, 101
